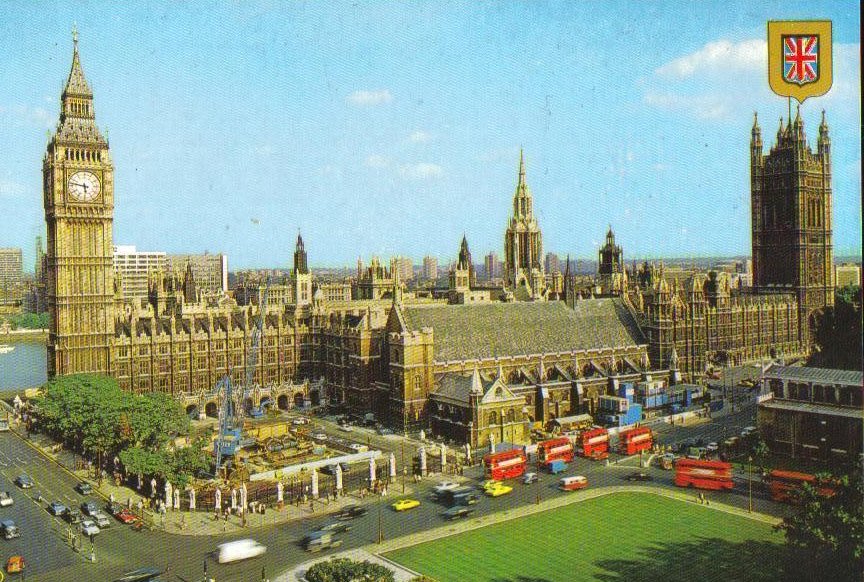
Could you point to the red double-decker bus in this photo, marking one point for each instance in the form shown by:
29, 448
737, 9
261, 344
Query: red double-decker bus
702, 474
783, 485
594, 444
635, 440
505, 465
560, 449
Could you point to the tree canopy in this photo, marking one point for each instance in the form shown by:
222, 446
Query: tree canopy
345, 570
838, 332
825, 534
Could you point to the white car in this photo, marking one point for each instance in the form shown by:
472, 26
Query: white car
358, 447
5, 499
300, 421
239, 550
445, 486
748, 430
319, 436
101, 519
89, 527
712, 447
346, 428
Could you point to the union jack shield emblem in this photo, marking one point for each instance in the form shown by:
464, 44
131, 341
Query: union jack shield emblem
801, 59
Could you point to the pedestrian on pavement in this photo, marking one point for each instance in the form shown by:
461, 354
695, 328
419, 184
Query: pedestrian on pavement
111, 497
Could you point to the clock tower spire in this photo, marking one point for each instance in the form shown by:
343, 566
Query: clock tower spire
78, 194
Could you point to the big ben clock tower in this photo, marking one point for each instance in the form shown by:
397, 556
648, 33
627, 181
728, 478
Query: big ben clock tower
78, 189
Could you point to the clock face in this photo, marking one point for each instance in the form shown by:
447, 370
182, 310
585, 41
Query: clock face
84, 186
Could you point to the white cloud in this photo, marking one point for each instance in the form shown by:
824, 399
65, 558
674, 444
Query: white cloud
422, 171
30, 115
376, 161
420, 136
9, 188
707, 106
720, 55
368, 98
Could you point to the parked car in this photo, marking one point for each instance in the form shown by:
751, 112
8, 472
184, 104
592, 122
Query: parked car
101, 519
639, 476
457, 512
72, 515
89, 508
405, 504
530, 478
8, 529
239, 550
24, 481
712, 447
6, 499
126, 516
351, 512
346, 427
57, 508
4, 426
84, 488
300, 421
89, 528
383, 430
319, 436
358, 447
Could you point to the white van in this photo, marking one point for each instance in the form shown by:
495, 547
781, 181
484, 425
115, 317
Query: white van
239, 550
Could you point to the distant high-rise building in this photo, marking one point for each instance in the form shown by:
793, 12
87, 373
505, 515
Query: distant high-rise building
553, 263
404, 267
11, 276
430, 268
132, 268
492, 266
849, 274
210, 270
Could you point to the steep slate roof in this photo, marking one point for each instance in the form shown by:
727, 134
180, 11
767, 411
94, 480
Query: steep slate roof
818, 375
464, 332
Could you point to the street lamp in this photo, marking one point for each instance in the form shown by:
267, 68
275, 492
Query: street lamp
750, 483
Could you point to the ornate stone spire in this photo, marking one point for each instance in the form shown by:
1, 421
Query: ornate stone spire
76, 84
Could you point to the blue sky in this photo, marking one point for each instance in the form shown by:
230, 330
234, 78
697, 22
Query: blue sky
392, 128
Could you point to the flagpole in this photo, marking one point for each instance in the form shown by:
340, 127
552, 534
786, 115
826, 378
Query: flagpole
789, 103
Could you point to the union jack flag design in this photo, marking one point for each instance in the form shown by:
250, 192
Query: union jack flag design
801, 59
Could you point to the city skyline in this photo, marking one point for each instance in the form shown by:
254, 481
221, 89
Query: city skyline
393, 131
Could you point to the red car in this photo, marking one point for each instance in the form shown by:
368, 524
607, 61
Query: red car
126, 516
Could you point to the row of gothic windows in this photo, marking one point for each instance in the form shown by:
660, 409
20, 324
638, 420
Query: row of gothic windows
83, 155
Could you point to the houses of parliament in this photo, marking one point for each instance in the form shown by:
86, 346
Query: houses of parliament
474, 364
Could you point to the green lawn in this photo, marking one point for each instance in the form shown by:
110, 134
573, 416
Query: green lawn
619, 537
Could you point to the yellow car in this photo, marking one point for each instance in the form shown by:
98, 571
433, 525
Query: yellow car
497, 490
405, 504
488, 483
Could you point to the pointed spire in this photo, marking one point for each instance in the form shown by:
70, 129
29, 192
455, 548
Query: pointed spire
521, 166
500, 372
755, 121
476, 381
823, 126
76, 84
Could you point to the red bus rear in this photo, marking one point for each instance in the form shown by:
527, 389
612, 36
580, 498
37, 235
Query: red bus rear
560, 449
635, 440
505, 465
783, 485
702, 474
594, 443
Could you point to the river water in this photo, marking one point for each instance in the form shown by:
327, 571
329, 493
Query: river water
24, 367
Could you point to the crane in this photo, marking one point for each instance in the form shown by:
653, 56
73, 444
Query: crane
231, 415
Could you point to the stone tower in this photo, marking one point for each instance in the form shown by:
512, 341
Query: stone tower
523, 245
301, 279
78, 192
791, 216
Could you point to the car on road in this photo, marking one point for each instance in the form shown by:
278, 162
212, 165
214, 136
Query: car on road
89, 528
358, 447
336, 527
319, 436
300, 421
239, 550
445, 486
712, 447
748, 430
72, 515
24, 481
351, 512
89, 508
9, 530
405, 504
346, 428
6, 499
139, 575
530, 478
84, 488
101, 519
4, 426
14, 564
639, 476
489, 483
384, 431
499, 490
574, 483
457, 512
320, 540
126, 516
57, 508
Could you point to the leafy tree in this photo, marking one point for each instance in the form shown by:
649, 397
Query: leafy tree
186, 462
825, 534
153, 418
838, 332
345, 570
29, 321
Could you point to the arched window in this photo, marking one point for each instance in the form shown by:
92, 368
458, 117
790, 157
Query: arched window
493, 418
